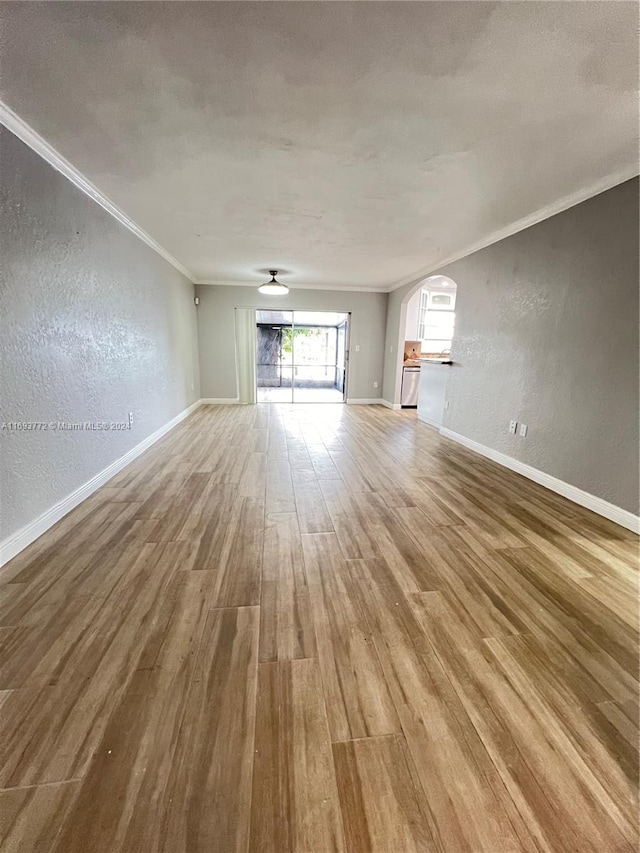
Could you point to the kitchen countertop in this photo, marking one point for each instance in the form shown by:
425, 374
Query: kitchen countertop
427, 359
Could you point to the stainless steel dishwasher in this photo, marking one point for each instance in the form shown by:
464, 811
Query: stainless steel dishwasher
410, 383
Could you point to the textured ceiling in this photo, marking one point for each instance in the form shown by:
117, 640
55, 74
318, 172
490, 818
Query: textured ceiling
348, 144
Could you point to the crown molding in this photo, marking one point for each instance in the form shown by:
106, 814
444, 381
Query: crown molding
604, 184
256, 284
30, 137
12, 121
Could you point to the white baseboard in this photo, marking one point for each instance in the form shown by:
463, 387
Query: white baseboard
608, 510
429, 421
364, 401
395, 406
19, 540
219, 401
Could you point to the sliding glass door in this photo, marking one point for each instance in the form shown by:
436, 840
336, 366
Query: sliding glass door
301, 356
274, 366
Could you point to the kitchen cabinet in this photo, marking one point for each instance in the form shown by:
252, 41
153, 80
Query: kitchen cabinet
432, 390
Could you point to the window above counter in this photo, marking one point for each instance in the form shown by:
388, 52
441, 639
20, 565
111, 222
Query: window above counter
436, 319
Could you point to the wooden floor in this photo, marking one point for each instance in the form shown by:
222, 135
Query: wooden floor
320, 628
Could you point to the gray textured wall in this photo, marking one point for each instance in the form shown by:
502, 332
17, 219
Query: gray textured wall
547, 334
93, 325
216, 333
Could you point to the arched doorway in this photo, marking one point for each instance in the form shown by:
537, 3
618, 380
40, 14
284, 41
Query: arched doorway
430, 315
429, 328
426, 323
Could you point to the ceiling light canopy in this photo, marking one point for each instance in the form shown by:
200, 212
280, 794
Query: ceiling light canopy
273, 287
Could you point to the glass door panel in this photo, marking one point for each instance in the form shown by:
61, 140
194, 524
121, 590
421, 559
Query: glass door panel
318, 357
274, 356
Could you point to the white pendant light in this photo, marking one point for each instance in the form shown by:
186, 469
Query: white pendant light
273, 287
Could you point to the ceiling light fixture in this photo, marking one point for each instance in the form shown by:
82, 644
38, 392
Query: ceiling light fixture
273, 287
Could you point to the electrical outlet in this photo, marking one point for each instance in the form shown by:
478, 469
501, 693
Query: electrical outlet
357, 347
513, 427
376, 384
130, 419
523, 430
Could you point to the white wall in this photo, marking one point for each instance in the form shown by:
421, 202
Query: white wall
413, 312
216, 327
547, 334
93, 325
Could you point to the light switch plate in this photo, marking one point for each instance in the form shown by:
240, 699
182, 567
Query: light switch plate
523, 430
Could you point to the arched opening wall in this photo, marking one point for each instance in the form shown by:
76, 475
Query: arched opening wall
402, 324
546, 336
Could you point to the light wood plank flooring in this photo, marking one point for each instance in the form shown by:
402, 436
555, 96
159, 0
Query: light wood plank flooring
319, 628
